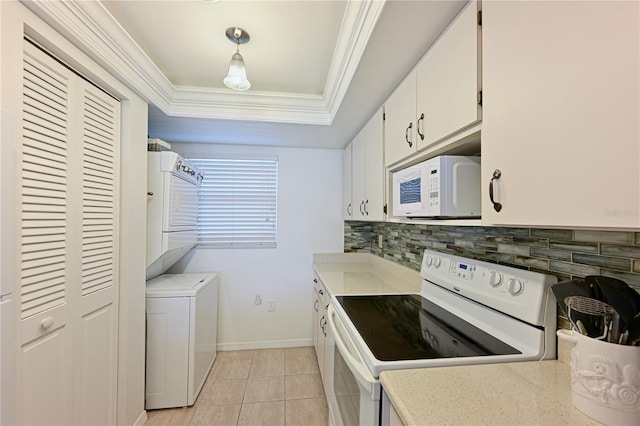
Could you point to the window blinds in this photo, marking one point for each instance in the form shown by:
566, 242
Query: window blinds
238, 202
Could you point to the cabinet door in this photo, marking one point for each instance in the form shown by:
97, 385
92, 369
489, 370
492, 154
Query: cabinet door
447, 81
561, 113
359, 182
374, 168
400, 124
347, 206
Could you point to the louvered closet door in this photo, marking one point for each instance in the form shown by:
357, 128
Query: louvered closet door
69, 246
46, 264
95, 369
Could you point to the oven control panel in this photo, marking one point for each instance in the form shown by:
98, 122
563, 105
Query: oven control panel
511, 290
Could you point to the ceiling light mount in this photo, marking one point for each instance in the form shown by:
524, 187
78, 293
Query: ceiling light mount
237, 35
237, 76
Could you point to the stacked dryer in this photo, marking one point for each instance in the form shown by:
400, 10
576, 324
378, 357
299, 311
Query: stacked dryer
181, 309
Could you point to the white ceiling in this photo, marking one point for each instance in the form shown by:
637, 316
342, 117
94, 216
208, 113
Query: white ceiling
318, 68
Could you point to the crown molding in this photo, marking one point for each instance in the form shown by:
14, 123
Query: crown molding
89, 26
250, 106
359, 21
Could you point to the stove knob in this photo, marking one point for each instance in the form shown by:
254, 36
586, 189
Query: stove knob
515, 286
427, 260
437, 262
495, 278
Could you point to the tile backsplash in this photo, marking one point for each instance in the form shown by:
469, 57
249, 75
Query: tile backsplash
565, 253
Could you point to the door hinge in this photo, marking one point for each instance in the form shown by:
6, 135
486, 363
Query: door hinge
480, 98
479, 17
384, 209
384, 116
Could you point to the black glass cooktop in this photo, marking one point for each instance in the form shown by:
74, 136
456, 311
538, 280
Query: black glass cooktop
409, 327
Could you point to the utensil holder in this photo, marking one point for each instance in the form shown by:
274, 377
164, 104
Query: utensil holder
605, 379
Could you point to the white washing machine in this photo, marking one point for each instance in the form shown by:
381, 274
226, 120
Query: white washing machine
182, 324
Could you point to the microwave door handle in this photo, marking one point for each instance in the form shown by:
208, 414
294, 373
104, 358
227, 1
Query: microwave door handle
355, 365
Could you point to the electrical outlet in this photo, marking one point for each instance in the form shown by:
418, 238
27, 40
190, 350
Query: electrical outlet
271, 305
380, 241
257, 300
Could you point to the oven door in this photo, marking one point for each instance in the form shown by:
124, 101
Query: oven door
355, 396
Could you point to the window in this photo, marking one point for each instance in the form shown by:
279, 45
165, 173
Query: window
238, 202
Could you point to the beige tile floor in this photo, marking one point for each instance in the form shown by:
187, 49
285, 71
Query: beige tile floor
256, 387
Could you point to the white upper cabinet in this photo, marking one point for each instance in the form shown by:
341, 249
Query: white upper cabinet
368, 171
448, 81
400, 121
347, 205
440, 96
561, 113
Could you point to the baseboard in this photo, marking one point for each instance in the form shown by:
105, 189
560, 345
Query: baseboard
142, 419
269, 344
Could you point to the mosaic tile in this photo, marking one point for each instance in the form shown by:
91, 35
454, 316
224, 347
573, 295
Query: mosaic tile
511, 249
551, 254
604, 236
583, 247
552, 234
602, 261
620, 250
531, 242
500, 240
498, 257
632, 279
541, 264
404, 243
572, 268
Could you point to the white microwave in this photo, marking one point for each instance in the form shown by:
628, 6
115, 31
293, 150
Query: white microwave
441, 187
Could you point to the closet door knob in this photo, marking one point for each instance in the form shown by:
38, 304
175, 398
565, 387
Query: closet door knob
46, 323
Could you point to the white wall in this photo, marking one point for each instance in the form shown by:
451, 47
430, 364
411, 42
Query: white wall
309, 221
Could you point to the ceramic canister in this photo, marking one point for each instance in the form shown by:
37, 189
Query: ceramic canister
605, 379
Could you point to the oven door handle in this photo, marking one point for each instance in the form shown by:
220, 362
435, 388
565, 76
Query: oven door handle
353, 361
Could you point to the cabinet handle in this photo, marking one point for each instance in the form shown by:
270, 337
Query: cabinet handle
349, 213
315, 305
406, 135
366, 207
496, 175
321, 292
418, 127
361, 206
315, 280
322, 325
150, 194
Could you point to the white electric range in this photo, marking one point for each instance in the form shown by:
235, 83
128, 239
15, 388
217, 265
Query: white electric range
468, 312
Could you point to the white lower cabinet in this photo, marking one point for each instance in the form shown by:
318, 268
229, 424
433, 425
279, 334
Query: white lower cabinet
320, 323
561, 119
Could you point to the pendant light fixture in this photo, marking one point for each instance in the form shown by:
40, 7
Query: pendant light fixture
237, 76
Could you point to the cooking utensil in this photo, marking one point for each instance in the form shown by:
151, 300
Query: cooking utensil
591, 317
618, 295
633, 297
633, 336
565, 289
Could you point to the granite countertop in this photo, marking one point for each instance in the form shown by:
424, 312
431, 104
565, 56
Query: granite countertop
519, 393
363, 273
